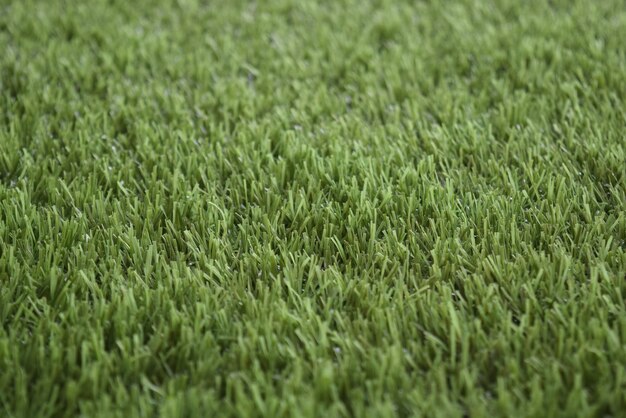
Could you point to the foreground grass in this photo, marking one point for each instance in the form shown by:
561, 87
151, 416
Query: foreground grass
312, 208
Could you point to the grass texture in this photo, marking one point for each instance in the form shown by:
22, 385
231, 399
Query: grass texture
312, 208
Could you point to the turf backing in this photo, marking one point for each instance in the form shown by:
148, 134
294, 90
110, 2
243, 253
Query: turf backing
312, 208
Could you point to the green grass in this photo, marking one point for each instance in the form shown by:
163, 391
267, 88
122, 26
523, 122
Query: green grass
312, 208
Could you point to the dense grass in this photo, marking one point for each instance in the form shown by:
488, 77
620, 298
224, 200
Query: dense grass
312, 208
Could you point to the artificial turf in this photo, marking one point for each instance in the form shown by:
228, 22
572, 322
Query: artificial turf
312, 208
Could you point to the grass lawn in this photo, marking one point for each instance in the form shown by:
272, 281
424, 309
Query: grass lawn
281, 208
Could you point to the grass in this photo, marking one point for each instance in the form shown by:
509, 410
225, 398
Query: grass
312, 208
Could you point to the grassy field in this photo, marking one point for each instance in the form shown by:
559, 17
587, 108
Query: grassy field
291, 208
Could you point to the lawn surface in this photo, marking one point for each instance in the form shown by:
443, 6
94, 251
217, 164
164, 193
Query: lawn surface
312, 208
